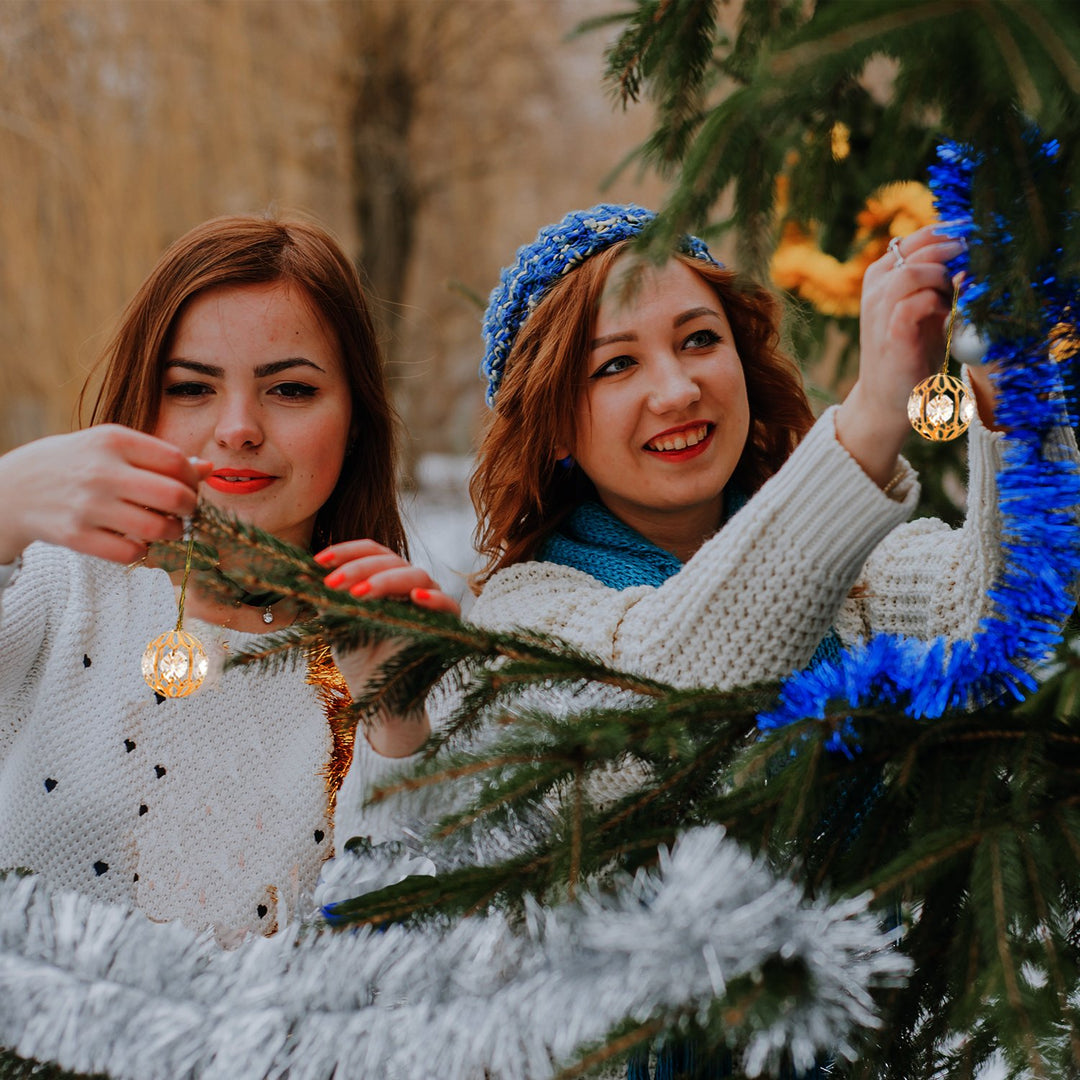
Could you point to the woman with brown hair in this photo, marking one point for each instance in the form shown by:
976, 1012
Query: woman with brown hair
245, 372
653, 487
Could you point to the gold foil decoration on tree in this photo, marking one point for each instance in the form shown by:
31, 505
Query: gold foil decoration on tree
1064, 341
175, 663
940, 407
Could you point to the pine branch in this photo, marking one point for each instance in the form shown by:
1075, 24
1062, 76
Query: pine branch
563, 774
434, 643
796, 71
1044, 919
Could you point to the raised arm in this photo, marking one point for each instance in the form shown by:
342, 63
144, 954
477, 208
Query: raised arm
104, 491
388, 748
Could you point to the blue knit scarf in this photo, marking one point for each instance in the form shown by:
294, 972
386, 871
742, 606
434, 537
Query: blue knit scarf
594, 540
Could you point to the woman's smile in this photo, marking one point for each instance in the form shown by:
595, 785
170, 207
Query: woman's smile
682, 443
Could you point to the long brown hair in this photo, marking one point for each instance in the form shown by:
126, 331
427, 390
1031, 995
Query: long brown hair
251, 249
521, 494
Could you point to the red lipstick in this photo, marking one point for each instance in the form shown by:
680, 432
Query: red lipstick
687, 452
239, 481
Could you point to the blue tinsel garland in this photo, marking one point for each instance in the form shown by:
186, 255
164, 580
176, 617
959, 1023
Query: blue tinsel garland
1031, 599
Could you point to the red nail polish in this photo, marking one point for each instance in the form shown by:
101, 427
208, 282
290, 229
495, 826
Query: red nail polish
361, 588
421, 594
324, 558
332, 581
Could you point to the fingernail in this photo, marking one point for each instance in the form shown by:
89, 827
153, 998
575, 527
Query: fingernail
332, 581
421, 594
361, 588
325, 557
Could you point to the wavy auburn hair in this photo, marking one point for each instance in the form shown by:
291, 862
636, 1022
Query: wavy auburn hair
519, 492
246, 250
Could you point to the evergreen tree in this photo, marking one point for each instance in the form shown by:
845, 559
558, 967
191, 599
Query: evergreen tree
736, 115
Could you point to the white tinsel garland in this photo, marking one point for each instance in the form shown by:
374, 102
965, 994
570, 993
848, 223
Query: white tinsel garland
96, 988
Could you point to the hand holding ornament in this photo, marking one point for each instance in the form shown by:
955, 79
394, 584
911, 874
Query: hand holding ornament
906, 298
106, 491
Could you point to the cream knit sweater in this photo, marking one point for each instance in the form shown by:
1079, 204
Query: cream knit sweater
210, 809
756, 599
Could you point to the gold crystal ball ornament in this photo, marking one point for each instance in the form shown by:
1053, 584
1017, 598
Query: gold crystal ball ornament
175, 664
940, 408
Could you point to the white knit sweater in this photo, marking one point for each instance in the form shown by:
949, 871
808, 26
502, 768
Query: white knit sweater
756, 599
211, 809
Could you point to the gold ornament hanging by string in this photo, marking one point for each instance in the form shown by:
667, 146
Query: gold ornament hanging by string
940, 407
175, 663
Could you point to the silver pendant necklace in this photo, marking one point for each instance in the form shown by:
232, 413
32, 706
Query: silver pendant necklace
265, 600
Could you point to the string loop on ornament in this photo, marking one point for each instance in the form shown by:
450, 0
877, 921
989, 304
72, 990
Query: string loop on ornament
189, 536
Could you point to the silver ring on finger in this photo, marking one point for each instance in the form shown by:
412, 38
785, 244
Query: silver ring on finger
897, 254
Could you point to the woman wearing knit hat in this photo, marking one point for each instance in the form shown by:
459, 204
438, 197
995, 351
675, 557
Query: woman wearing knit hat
653, 487
245, 372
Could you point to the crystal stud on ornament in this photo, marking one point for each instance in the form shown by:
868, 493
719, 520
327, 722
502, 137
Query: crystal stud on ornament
940, 408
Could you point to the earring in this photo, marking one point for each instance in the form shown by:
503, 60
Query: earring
565, 462
175, 663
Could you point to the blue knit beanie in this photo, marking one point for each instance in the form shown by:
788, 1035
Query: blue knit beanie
556, 249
